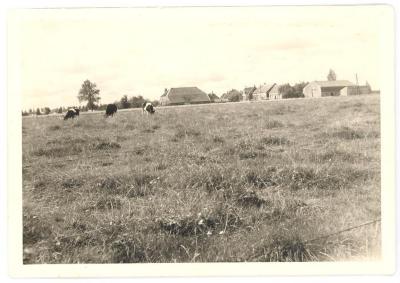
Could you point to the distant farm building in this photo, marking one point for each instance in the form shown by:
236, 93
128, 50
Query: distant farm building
248, 93
267, 92
183, 95
334, 88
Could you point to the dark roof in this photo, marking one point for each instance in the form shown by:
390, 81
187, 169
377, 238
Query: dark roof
341, 83
249, 90
186, 94
265, 88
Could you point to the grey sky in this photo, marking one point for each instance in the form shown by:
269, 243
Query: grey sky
142, 51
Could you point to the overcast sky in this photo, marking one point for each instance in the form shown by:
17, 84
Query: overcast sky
142, 51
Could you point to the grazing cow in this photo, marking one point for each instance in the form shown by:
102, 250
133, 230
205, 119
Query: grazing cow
71, 113
74, 109
111, 110
148, 108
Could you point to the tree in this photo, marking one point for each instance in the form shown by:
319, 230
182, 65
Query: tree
59, 110
286, 90
332, 75
38, 112
47, 111
124, 103
233, 95
89, 93
213, 96
136, 102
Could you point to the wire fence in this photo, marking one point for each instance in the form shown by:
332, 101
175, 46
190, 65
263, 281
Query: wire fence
342, 231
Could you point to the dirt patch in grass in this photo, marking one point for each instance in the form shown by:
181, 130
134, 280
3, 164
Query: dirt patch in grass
250, 198
140, 149
72, 183
107, 146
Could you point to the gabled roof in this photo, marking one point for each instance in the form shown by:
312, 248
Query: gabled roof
265, 88
275, 88
186, 95
341, 83
249, 90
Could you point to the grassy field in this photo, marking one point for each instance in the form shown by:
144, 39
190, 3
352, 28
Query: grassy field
220, 183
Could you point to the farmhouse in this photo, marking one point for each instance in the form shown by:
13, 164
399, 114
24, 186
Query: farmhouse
183, 95
334, 88
248, 93
266, 92
274, 92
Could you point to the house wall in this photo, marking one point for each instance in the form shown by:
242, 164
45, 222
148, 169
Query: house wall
312, 90
259, 96
274, 93
164, 101
354, 90
331, 91
275, 96
343, 91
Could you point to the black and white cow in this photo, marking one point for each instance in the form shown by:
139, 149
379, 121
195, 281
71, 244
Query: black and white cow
111, 110
71, 113
148, 108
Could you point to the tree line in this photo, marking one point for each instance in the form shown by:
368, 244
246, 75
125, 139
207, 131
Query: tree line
286, 90
90, 94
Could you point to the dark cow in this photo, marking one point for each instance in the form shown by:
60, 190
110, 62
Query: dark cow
71, 113
148, 108
111, 110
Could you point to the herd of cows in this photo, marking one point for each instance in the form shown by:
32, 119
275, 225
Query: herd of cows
111, 109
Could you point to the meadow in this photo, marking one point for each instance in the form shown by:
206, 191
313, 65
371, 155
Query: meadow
258, 181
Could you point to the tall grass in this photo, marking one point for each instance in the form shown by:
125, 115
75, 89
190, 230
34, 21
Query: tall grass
227, 183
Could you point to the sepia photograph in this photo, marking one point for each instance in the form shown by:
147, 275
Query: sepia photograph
202, 135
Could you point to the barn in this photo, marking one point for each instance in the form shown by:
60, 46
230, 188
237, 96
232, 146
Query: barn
183, 95
266, 92
329, 88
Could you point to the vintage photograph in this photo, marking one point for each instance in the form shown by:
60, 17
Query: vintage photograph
200, 134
